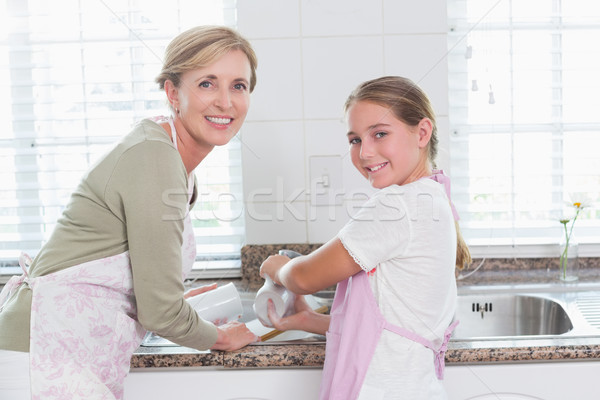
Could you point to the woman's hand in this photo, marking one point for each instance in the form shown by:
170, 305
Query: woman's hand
304, 318
233, 336
199, 290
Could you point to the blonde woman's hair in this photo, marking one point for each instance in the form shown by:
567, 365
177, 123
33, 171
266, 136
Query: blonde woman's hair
409, 104
201, 46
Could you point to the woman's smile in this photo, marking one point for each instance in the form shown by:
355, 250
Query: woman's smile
219, 122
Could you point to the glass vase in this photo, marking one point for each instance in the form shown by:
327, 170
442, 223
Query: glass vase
568, 263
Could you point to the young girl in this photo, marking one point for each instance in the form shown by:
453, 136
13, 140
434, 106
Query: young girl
394, 262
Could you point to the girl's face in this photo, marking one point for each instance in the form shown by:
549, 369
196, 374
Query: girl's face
213, 101
384, 149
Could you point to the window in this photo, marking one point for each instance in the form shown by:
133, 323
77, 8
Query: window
74, 79
525, 123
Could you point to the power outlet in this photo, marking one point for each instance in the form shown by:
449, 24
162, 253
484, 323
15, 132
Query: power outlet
326, 183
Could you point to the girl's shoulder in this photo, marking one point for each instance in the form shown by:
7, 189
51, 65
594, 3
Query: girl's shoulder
422, 186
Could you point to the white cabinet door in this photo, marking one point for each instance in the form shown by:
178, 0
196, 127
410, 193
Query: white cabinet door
521, 381
219, 384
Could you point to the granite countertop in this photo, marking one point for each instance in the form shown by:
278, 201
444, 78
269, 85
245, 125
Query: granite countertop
493, 272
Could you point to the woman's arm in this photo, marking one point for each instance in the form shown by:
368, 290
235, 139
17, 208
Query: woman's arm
233, 336
326, 266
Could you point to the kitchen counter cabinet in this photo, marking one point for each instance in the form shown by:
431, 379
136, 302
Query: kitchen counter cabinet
548, 381
220, 384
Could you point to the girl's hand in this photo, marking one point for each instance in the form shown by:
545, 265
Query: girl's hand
199, 290
272, 265
304, 318
233, 336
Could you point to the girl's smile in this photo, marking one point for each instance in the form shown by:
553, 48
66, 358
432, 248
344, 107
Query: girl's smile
377, 167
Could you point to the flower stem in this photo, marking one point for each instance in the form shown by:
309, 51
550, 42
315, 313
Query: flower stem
564, 256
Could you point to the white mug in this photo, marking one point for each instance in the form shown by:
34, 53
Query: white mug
282, 298
222, 304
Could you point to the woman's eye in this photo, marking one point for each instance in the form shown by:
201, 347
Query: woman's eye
240, 86
205, 84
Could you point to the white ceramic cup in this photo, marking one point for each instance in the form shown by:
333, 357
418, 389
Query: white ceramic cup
282, 299
222, 304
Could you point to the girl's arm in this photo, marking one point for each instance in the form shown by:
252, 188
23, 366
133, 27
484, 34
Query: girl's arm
304, 318
326, 266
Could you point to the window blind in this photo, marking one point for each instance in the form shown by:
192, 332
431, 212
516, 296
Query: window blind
524, 120
75, 78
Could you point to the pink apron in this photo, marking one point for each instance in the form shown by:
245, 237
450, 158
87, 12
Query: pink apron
84, 325
356, 326
354, 331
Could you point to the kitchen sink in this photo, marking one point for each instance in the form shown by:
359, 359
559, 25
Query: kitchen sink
485, 313
487, 316
528, 312
249, 318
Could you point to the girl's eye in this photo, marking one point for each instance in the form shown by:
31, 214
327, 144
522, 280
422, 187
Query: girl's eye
354, 141
380, 134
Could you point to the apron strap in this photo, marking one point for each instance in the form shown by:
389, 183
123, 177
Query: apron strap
15, 281
190, 176
439, 353
439, 176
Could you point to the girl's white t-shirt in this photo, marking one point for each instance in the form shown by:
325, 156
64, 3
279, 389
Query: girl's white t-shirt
405, 239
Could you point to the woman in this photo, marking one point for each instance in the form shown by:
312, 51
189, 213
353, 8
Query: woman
113, 267
394, 262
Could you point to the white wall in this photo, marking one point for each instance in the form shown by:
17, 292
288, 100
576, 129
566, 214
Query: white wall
311, 55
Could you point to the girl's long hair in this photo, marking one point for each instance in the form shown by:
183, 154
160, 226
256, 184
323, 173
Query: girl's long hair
409, 103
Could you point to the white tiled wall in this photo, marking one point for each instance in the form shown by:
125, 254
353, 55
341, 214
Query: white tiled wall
311, 54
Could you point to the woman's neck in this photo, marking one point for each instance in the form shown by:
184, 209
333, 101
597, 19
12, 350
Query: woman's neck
192, 153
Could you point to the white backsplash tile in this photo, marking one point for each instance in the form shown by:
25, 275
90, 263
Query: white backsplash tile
424, 16
341, 17
275, 222
268, 18
333, 67
278, 92
273, 160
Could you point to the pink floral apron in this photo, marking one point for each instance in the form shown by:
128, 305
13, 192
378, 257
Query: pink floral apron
354, 331
84, 325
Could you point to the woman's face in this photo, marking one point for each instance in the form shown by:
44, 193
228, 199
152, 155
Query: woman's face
213, 101
384, 149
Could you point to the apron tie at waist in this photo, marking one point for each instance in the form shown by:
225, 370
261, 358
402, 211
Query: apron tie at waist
15, 281
440, 354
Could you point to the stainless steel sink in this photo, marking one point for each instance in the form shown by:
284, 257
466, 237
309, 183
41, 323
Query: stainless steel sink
486, 316
485, 313
527, 312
